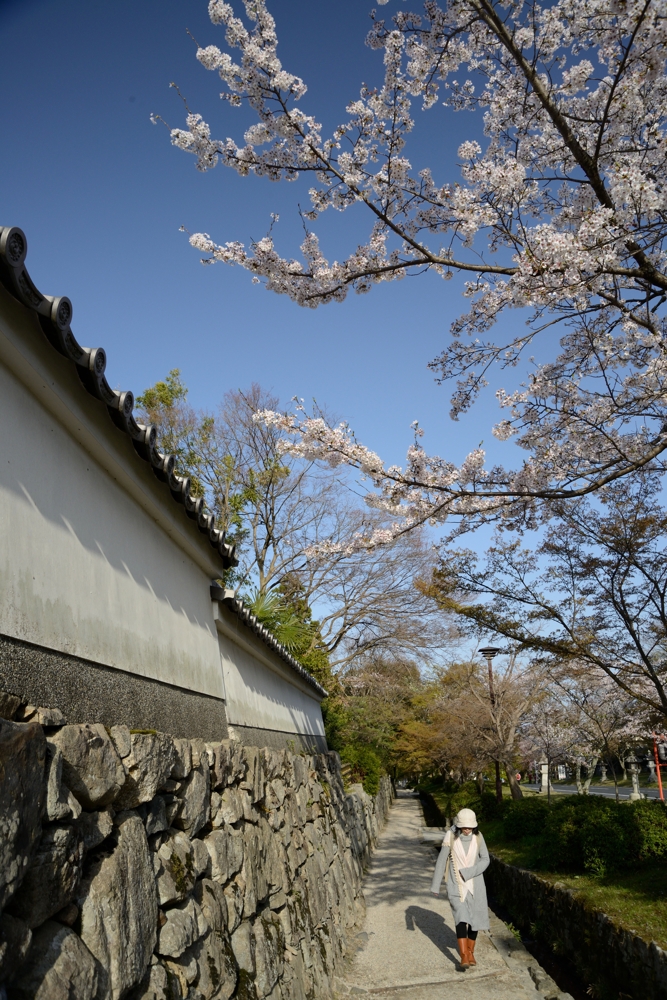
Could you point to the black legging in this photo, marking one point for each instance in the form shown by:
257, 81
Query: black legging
464, 930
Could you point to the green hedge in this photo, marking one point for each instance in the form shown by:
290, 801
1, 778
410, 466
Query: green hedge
598, 835
585, 833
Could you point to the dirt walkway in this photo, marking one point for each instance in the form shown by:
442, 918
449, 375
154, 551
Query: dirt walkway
408, 950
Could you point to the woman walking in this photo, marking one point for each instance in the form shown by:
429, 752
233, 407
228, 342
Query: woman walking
462, 859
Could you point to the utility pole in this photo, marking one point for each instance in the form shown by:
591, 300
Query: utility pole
488, 652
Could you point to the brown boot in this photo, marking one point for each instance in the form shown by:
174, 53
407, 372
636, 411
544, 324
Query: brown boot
463, 952
471, 951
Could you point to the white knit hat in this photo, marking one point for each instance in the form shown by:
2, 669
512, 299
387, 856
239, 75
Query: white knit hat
465, 818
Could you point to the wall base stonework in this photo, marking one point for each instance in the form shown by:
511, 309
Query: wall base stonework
90, 692
294, 742
140, 866
615, 961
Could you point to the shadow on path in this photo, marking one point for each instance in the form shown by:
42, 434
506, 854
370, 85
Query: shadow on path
433, 925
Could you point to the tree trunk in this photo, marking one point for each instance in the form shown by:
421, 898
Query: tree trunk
577, 774
591, 771
515, 788
480, 782
499, 784
613, 771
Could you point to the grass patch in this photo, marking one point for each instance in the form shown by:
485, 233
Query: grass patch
635, 899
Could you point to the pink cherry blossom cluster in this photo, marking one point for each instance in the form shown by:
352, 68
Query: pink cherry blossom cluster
567, 194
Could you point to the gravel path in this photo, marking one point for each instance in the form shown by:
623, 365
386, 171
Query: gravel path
407, 949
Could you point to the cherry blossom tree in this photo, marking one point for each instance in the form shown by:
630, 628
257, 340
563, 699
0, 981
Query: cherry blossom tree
549, 733
560, 211
592, 596
607, 722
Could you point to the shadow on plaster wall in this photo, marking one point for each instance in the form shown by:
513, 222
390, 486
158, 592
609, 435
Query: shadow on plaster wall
121, 538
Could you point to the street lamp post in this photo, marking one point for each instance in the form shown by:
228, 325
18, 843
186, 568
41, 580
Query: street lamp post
488, 652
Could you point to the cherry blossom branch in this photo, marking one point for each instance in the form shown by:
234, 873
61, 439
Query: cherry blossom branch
571, 190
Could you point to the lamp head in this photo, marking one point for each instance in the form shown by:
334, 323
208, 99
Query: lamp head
489, 651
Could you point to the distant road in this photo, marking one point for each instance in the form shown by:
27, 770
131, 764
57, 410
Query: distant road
608, 791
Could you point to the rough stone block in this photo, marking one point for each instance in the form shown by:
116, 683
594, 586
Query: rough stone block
22, 800
210, 897
60, 803
52, 878
119, 910
183, 763
122, 740
9, 705
275, 793
172, 807
255, 869
278, 899
219, 762
58, 967
92, 769
243, 946
156, 986
216, 967
49, 717
148, 766
269, 952
202, 858
300, 766
237, 761
184, 925
95, 827
273, 763
198, 750
175, 868
195, 794
225, 850
15, 938
254, 776
155, 819
230, 809
234, 894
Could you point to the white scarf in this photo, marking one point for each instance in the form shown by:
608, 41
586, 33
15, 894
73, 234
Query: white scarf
462, 859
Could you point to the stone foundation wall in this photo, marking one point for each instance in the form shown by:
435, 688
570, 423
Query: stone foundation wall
617, 962
253, 736
91, 692
137, 865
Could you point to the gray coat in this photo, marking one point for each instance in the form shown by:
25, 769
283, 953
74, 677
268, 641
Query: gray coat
473, 910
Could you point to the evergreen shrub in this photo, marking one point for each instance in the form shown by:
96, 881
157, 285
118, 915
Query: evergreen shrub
585, 833
365, 766
524, 818
458, 797
589, 833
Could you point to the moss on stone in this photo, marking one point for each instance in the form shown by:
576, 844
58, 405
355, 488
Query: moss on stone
182, 874
245, 987
213, 972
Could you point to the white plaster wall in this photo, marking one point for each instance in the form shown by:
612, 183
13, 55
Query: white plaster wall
84, 569
262, 697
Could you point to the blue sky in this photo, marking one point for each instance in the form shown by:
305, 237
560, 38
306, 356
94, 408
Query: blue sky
101, 195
